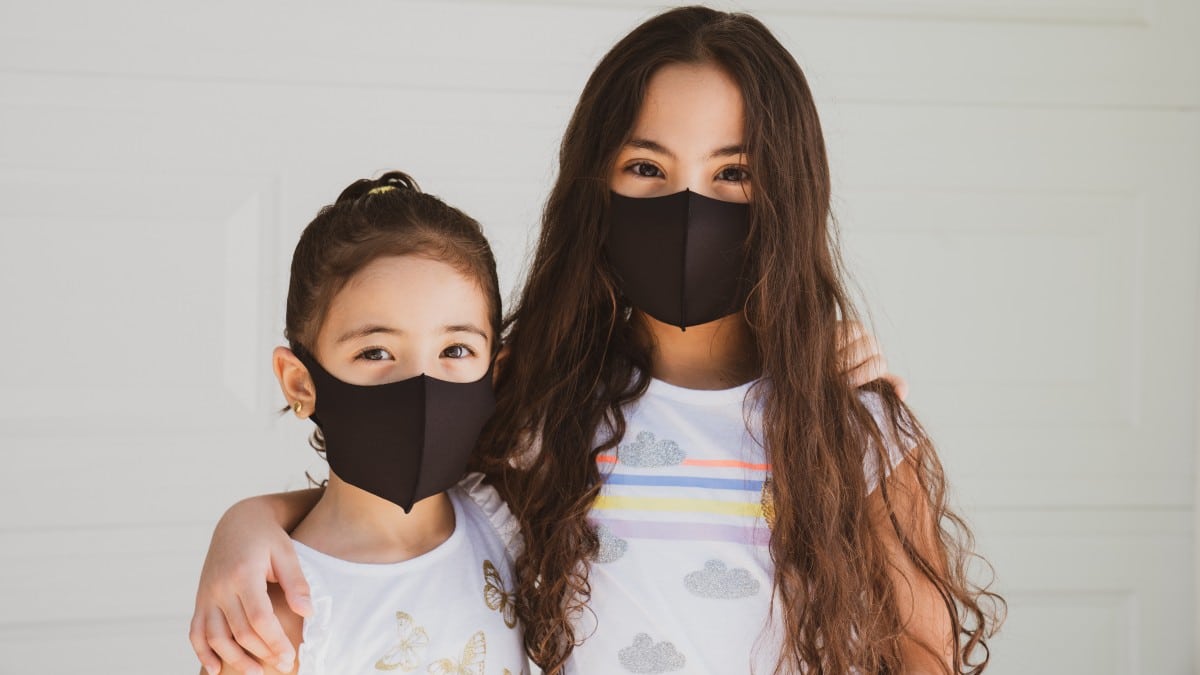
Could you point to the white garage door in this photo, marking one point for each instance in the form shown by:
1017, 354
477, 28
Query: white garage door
1017, 187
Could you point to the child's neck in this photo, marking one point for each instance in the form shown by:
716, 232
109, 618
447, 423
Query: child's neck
716, 355
354, 525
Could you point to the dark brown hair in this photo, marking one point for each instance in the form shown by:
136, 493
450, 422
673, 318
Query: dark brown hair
371, 219
578, 356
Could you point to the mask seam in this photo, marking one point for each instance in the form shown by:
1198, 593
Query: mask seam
420, 468
687, 224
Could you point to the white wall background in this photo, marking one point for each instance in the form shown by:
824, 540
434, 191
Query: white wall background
1017, 187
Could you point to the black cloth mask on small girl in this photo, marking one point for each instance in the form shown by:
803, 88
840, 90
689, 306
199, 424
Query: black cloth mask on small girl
402, 441
679, 258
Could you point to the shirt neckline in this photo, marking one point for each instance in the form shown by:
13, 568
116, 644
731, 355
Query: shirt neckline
705, 397
430, 557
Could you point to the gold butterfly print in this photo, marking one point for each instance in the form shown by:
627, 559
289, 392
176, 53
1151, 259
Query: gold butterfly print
496, 597
472, 659
410, 650
767, 499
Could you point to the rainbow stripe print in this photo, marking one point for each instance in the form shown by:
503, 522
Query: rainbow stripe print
683, 500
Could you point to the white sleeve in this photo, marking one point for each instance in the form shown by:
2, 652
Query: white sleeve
896, 447
496, 510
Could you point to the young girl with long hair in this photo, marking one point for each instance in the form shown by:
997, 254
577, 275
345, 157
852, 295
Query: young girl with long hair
393, 315
699, 487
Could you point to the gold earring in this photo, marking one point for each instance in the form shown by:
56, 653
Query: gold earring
297, 407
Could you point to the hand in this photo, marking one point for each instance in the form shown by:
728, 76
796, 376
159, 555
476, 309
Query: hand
234, 613
862, 359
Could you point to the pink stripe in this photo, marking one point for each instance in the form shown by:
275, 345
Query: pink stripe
639, 529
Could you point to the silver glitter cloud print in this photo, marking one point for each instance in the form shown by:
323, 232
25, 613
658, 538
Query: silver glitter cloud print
647, 656
647, 451
612, 547
717, 581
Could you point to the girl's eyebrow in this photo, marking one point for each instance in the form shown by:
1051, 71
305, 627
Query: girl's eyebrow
466, 328
652, 146
364, 331
373, 329
728, 151
655, 146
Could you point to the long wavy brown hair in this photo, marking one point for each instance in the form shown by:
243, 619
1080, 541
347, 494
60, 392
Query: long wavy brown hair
578, 355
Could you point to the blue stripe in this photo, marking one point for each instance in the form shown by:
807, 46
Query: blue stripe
686, 481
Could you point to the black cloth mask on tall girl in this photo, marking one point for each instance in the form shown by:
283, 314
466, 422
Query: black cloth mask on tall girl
679, 258
402, 441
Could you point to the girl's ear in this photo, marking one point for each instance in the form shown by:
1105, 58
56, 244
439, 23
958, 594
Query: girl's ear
499, 361
295, 382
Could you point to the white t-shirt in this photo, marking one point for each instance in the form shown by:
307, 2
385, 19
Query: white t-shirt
447, 611
683, 580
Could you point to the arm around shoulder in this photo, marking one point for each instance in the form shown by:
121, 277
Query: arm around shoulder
249, 548
286, 509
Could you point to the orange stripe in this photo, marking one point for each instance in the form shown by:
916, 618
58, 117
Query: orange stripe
725, 463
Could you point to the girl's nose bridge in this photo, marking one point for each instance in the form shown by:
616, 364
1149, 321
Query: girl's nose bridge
411, 363
693, 178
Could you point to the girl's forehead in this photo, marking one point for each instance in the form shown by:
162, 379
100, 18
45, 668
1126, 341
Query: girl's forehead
691, 108
410, 292
395, 273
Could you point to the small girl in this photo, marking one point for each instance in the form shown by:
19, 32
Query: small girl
393, 314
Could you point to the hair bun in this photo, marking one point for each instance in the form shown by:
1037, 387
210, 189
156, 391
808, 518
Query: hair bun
397, 179
392, 180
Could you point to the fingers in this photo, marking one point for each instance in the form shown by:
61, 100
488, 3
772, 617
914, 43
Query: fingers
899, 384
856, 348
863, 359
290, 577
220, 638
872, 369
876, 369
257, 630
849, 332
263, 634
208, 658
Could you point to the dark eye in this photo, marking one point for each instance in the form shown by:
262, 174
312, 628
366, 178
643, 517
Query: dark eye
374, 354
457, 352
645, 170
733, 174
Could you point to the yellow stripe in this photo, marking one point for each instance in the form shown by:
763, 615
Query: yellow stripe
611, 502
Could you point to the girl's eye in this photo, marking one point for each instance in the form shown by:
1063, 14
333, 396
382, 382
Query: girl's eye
457, 352
733, 174
375, 354
645, 170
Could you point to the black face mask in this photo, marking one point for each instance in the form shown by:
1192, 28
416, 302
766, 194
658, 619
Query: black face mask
679, 258
402, 441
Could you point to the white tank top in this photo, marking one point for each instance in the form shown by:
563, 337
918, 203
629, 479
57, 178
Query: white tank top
447, 611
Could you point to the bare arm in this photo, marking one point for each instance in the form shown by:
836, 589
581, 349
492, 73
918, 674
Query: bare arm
234, 613
929, 642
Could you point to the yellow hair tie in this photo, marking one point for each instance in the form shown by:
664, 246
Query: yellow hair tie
380, 189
